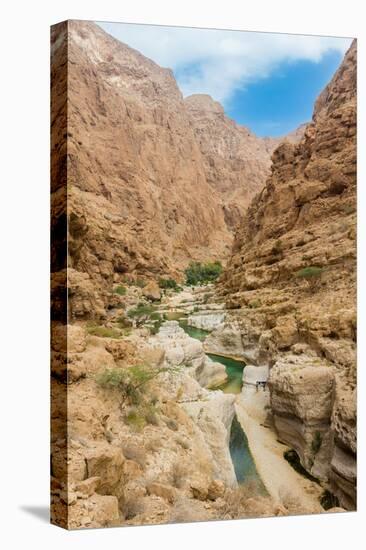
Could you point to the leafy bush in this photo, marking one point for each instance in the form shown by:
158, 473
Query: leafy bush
168, 283
155, 316
103, 332
310, 272
130, 381
121, 290
141, 311
135, 419
140, 283
198, 273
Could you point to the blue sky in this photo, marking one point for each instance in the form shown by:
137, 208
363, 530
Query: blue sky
281, 102
265, 81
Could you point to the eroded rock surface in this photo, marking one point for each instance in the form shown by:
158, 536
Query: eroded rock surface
290, 284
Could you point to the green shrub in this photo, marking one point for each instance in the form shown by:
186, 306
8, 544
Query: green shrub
155, 316
130, 381
168, 283
103, 332
121, 290
142, 310
195, 309
140, 283
198, 273
310, 272
154, 329
312, 275
135, 419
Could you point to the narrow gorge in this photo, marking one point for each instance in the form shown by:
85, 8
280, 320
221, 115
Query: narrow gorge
206, 368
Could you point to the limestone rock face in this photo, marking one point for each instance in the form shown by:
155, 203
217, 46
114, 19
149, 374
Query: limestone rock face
291, 280
302, 395
206, 320
236, 161
182, 350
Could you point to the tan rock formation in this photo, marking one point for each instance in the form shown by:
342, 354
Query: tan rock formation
153, 181
291, 280
138, 199
236, 161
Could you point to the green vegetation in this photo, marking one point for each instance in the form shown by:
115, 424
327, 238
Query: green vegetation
312, 275
135, 420
141, 310
310, 272
155, 316
169, 284
198, 273
103, 332
140, 283
121, 290
130, 382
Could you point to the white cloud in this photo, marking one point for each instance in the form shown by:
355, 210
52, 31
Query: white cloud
219, 62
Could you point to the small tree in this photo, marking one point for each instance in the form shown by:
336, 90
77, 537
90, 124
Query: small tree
312, 275
130, 381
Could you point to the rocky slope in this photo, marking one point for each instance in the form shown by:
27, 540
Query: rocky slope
130, 463
236, 161
291, 285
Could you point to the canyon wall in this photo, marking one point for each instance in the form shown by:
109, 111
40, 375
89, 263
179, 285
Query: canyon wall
291, 285
153, 180
236, 161
138, 199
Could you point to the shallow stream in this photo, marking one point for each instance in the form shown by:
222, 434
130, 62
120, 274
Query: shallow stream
241, 457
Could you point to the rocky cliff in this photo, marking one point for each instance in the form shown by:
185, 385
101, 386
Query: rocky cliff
291, 282
236, 161
138, 199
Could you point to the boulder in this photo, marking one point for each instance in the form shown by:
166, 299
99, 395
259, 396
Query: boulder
152, 291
